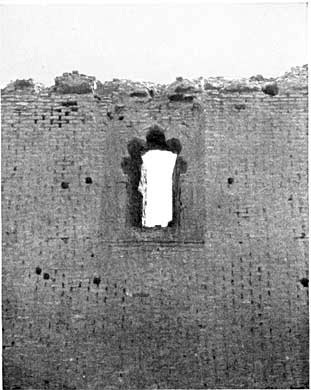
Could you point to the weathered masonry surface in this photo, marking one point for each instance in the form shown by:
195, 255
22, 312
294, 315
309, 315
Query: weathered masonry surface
220, 300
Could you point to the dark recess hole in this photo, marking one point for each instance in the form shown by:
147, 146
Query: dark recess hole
151, 92
88, 180
46, 276
304, 282
230, 180
69, 104
121, 117
14, 169
178, 97
139, 94
96, 280
270, 89
240, 107
92, 255
65, 185
38, 270
109, 114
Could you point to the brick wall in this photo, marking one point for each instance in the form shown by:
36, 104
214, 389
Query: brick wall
91, 302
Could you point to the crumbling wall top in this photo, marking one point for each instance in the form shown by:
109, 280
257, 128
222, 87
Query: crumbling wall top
74, 82
179, 90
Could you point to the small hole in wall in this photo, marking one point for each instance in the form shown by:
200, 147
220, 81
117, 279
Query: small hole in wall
88, 180
240, 107
230, 180
96, 280
46, 276
65, 185
38, 270
270, 89
121, 117
304, 282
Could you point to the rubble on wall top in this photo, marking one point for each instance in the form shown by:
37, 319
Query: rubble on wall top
23, 85
74, 83
184, 86
297, 78
179, 90
133, 88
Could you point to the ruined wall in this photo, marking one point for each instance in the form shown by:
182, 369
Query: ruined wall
91, 302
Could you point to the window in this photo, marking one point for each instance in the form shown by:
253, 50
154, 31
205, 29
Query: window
153, 187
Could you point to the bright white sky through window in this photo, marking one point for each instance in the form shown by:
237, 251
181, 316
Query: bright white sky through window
156, 186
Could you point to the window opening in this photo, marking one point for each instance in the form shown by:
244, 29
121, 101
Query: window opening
153, 188
156, 187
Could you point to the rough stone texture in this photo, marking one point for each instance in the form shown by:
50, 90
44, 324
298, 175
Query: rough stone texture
90, 302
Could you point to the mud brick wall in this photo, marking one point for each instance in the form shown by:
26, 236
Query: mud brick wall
92, 302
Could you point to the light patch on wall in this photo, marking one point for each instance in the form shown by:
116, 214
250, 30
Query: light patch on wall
156, 187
